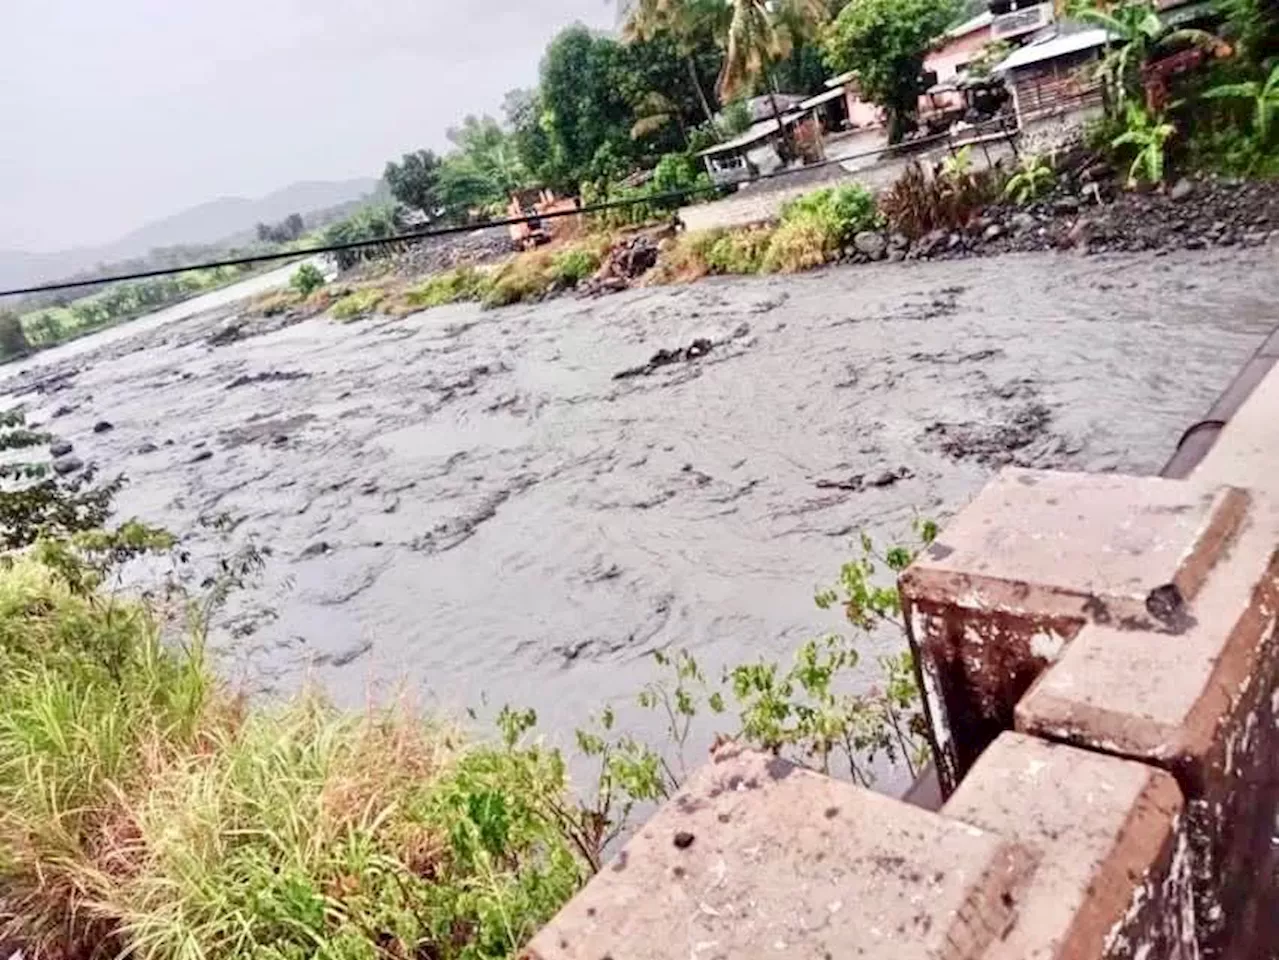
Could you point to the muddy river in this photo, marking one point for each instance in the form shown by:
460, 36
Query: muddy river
474, 504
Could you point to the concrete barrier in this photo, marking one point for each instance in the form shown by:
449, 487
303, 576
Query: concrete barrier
1099, 658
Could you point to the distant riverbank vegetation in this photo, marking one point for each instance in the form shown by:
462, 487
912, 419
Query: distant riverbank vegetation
148, 810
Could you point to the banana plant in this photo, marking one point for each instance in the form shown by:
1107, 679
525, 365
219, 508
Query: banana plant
1149, 133
1137, 34
1265, 95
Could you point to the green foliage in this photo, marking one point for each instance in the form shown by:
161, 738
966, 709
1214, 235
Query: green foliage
1251, 26
482, 171
35, 502
675, 172
735, 118
367, 223
738, 251
1147, 134
461, 283
815, 225
1033, 177
575, 264
1264, 97
121, 302
13, 338
885, 43
306, 280
1140, 33
414, 181
357, 304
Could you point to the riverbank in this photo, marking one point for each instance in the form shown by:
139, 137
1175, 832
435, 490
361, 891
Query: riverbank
521, 505
407, 472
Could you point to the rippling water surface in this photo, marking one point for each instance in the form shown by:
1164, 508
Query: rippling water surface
469, 502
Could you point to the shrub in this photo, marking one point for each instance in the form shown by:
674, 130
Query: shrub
1032, 178
525, 277
357, 304
916, 203
802, 242
13, 338
573, 265
306, 280
684, 258
461, 283
1147, 134
739, 251
142, 806
843, 210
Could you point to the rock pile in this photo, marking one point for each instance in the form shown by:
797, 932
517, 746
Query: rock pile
1088, 214
629, 258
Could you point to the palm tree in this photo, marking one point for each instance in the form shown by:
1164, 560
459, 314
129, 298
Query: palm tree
654, 111
759, 33
683, 21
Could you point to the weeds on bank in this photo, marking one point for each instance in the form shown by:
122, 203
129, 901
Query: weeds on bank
147, 811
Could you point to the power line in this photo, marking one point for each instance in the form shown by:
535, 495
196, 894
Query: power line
413, 235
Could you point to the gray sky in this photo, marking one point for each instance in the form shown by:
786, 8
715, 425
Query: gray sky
120, 112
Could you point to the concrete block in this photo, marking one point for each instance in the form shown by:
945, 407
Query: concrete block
1201, 704
1112, 875
758, 858
1032, 559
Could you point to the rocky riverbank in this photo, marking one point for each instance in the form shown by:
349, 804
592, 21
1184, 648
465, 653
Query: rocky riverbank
1088, 214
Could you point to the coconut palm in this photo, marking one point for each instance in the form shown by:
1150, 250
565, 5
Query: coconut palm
759, 33
682, 20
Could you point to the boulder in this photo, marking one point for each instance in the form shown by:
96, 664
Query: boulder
1066, 206
898, 241
67, 464
932, 242
993, 232
870, 244
1022, 221
60, 448
1181, 190
103, 426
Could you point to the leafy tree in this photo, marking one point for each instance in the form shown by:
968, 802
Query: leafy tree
884, 42
483, 168
524, 115
290, 228
688, 23
759, 34
587, 116
35, 502
13, 339
414, 181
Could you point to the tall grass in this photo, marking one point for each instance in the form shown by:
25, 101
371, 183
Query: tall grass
144, 811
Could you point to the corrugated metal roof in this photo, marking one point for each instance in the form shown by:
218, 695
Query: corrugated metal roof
821, 98
1050, 48
757, 131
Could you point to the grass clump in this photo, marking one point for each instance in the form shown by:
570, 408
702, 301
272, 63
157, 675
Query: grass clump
357, 304
816, 225
739, 251
685, 257
144, 810
452, 286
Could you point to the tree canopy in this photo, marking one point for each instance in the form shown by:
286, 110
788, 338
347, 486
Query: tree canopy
414, 181
884, 42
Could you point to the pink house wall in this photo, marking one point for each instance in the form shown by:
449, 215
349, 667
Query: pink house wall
944, 60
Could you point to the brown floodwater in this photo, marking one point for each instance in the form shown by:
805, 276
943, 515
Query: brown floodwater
473, 505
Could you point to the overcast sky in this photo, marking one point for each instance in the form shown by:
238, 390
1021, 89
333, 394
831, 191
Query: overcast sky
120, 112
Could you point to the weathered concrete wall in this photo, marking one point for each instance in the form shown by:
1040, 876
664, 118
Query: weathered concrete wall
1099, 656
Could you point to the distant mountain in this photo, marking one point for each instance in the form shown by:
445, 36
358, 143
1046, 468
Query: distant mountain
228, 216
225, 222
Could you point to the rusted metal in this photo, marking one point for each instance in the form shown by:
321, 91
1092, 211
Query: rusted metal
1194, 444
